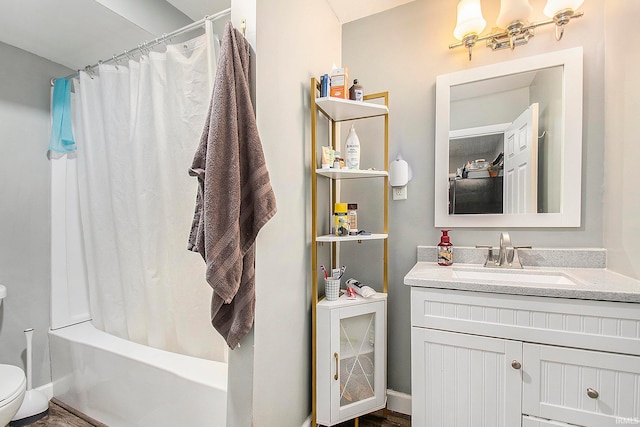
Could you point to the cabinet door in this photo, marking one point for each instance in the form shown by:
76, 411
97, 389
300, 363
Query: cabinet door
587, 388
350, 361
358, 348
462, 380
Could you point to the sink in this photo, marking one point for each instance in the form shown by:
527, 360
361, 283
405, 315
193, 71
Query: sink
513, 276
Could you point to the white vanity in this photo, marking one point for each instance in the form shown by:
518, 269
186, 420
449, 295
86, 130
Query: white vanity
543, 346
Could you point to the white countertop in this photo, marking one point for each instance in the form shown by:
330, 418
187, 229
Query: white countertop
589, 283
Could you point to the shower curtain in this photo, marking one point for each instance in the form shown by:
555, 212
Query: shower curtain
137, 127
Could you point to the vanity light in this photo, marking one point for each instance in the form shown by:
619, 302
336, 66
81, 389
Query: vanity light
513, 22
470, 23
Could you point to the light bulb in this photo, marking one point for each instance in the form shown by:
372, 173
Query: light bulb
513, 10
555, 6
470, 19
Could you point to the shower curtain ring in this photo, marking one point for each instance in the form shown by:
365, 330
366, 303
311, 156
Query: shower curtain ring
116, 61
87, 70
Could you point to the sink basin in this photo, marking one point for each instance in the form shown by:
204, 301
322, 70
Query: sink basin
513, 276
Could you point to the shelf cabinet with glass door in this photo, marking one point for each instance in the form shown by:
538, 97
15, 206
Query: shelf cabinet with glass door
351, 378
348, 336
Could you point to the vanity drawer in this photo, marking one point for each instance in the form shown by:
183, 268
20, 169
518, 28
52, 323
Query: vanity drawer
539, 422
587, 388
594, 325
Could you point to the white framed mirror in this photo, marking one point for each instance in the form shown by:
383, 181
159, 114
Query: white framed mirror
508, 143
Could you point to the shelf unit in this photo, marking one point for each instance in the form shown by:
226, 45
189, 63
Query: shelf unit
338, 110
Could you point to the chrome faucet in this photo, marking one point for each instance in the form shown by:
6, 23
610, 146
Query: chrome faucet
506, 258
505, 243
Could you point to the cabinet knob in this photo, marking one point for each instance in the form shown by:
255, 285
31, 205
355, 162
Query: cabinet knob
592, 393
335, 376
515, 364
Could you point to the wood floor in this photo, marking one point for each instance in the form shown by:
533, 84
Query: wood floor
377, 419
61, 415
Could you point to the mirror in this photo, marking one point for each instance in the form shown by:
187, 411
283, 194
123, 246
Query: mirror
508, 143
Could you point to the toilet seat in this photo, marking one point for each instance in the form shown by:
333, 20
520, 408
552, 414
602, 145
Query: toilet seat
12, 384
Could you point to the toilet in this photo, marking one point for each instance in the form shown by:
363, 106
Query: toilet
12, 388
13, 385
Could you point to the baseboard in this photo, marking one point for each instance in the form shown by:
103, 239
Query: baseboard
396, 402
399, 402
47, 390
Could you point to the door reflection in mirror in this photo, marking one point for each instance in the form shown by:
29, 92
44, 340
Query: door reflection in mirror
506, 115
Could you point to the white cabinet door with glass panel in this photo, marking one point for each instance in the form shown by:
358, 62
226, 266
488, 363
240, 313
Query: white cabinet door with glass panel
351, 353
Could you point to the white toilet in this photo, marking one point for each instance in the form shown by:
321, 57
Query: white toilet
13, 385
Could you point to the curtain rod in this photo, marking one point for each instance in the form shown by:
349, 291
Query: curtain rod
145, 46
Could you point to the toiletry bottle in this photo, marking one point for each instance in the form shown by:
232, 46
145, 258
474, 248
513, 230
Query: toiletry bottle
445, 249
338, 161
356, 92
340, 220
353, 218
325, 82
352, 148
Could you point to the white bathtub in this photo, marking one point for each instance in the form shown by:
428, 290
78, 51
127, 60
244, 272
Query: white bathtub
121, 383
115, 381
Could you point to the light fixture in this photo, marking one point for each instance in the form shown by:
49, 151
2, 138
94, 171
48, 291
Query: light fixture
514, 28
470, 23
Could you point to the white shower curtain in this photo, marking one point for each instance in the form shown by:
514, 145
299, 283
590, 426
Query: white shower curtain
137, 128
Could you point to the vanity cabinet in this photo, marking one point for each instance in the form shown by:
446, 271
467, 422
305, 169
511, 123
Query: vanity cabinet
464, 380
351, 349
481, 359
348, 336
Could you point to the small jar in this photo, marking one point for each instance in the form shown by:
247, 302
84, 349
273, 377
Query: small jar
352, 209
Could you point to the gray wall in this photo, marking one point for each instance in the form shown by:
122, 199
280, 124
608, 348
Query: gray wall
402, 51
271, 371
546, 90
296, 41
24, 207
622, 150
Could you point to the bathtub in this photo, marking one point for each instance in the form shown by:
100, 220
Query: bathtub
115, 381
121, 383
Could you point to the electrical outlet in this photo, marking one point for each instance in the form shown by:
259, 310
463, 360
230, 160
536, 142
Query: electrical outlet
399, 193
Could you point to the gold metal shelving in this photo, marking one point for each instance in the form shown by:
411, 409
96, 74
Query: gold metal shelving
339, 110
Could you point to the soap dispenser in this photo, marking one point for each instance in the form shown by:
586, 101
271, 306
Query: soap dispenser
445, 249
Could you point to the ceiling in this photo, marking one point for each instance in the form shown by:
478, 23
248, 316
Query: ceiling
350, 10
77, 33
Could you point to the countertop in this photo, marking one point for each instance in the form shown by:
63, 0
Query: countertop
589, 283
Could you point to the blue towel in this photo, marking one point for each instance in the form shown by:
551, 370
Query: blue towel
62, 141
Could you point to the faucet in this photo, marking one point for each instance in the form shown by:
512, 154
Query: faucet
504, 260
505, 243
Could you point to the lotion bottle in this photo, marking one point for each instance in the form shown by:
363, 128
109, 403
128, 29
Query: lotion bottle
445, 249
352, 149
356, 93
